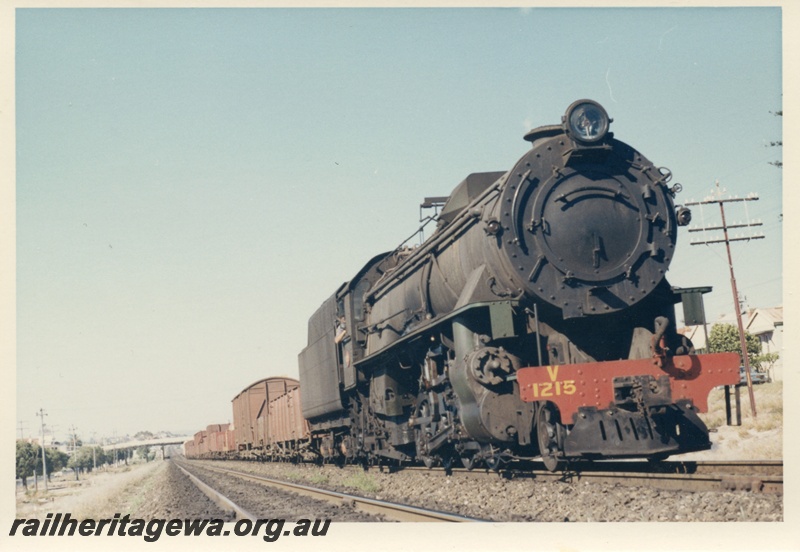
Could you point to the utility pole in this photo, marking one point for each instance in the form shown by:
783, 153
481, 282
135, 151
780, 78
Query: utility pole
94, 451
21, 429
727, 240
42, 414
72, 430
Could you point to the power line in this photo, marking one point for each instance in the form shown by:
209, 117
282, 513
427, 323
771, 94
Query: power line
726, 239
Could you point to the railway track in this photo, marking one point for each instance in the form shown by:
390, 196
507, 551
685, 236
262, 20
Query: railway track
390, 510
761, 476
217, 497
516, 494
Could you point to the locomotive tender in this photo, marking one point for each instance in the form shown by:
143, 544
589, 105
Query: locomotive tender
535, 321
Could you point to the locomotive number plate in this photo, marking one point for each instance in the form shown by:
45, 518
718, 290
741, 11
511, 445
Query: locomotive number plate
554, 387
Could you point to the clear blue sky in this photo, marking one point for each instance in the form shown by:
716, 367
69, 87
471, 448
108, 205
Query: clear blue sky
191, 184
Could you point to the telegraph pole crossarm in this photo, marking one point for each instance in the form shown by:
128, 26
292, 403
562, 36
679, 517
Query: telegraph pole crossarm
727, 239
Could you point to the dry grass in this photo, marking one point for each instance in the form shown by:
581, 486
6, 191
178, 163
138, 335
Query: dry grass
758, 438
296, 477
318, 479
769, 407
363, 482
99, 494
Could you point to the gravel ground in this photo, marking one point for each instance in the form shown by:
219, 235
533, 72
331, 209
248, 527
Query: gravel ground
499, 499
267, 503
170, 494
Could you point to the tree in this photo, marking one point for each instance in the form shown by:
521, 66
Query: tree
144, 453
101, 456
56, 460
724, 338
82, 460
26, 461
88, 456
765, 362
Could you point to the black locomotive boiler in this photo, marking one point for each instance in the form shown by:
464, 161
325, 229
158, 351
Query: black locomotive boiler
535, 321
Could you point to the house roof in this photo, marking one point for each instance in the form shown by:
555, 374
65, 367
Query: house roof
756, 321
764, 320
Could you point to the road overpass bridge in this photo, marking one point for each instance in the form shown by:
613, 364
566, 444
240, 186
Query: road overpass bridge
161, 443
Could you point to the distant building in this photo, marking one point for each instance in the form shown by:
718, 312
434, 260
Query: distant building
764, 323
767, 325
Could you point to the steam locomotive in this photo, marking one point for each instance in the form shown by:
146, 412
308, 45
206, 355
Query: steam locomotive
535, 321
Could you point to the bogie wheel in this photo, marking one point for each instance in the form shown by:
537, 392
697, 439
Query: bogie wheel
547, 432
468, 462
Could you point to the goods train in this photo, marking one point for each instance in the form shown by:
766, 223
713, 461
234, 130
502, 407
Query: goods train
267, 424
536, 320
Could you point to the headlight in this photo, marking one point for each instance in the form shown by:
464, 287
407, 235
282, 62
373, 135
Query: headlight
587, 121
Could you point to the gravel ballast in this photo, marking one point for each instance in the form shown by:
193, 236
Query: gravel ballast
499, 499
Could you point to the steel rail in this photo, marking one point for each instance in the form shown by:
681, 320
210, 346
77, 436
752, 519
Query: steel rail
392, 510
762, 476
218, 498
745, 467
690, 482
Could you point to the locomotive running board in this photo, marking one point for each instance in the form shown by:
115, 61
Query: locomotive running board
573, 386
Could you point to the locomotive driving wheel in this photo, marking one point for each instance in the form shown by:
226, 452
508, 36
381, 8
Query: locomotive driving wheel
548, 434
